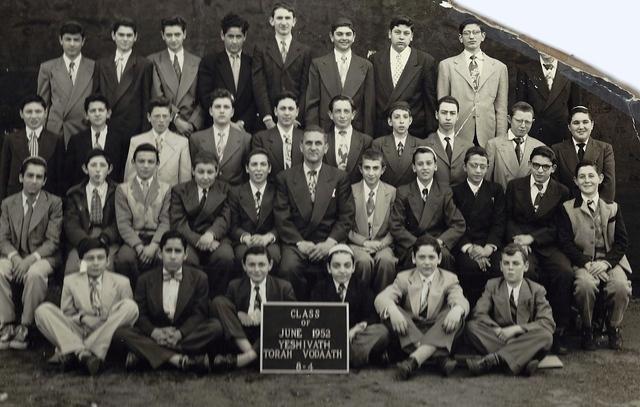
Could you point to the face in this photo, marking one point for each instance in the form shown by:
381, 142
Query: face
400, 121
33, 179
371, 171
580, 127
257, 266
98, 114
96, 261
124, 37
97, 169
286, 112
588, 180
513, 267
173, 36
521, 123
476, 168
173, 255
400, 36
313, 147
222, 111
283, 21
342, 38
541, 168
71, 44
160, 117
447, 116
258, 168
146, 164
205, 174
341, 267
342, 114
233, 40
33, 114
471, 37
424, 167
426, 259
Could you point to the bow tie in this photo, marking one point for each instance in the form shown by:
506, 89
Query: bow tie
166, 276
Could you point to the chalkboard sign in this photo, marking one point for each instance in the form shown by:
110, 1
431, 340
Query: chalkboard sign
304, 337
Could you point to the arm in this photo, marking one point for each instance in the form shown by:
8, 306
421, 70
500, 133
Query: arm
259, 79
51, 242
491, 159
566, 241
498, 218
68, 305
156, 88
304, 82
390, 297
444, 82
163, 218
184, 173
368, 115
128, 164
206, 82
620, 241
44, 86
397, 223
345, 209
455, 297
6, 247
178, 218
454, 219
312, 100
281, 210
200, 300
73, 229
357, 238
500, 103
124, 218
484, 307
543, 314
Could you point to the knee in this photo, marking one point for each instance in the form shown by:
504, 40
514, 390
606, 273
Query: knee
585, 286
130, 309
37, 272
43, 309
618, 288
217, 303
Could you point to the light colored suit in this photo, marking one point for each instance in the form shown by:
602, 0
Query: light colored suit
486, 107
449, 173
64, 98
182, 92
381, 266
236, 150
175, 160
62, 326
503, 163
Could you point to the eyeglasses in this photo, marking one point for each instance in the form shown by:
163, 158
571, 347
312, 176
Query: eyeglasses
518, 122
545, 167
470, 33
476, 166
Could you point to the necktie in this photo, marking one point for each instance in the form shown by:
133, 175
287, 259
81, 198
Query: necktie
33, 144
425, 194
119, 68
343, 150
474, 71
72, 70
96, 144
167, 276
96, 208
581, 147
312, 184
235, 69
400, 149
287, 151
591, 206
283, 50
176, 66
145, 188
94, 294
448, 149
518, 141
513, 307
203, 200
257, 304
536, 201
24, 233
371, 206
341, 291
397, 70
548, 75
343, 69
424, 299
258, 204
547, 66
220, 145
159, 142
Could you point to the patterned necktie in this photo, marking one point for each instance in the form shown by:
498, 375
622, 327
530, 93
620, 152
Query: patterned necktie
203, 200
72, 70
235, 69
220, 145
33, 144
96, 208
548, 75
581, 147
342, 290
425, 194
119, 68
94, 294
397, 70
145, 188
343, 69
518, 141
258, 204
287, 151
448, 149
371, 205
159, 142
548, 67
176, 67
96, 144
24, 233
536, 201
283, 50
513, 307
424, 299
343, 150
474, 71
312, 184
257, 304
400, 149
591, 206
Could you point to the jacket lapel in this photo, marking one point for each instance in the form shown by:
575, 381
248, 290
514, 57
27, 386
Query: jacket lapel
414, 291
415, 201
361, 211
293, 53
355, 76
108, 294
185, 292
266, 205
324, 191
39, 210
165, 66
558, 84
244, 76
389, 150
84, 79
248, 203
189, 72
273, 50
62, 77
301, 194
330, 157
224, 67
17, 216
233, 144
431, 206
169, 149
329, 74
488, 70
383, 200
435, 295
354, 151
524, 299
411, 69
462, 68
127, 76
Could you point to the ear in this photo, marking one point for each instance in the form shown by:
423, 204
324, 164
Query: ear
110, 169
85, 169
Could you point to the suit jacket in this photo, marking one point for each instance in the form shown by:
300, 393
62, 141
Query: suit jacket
596, 151
191, 305
182, 92
271, 141
576, 233
406, 290
449, 173
15, 150
330, 215
483, 213
76, 294
129, 98
399, 170
412, 217
79, 146
77, 219
534, 311
416, 86
136, 214
44, 228
324, 84
489, 119
271, 76
359, 143
175, 159
188, 218
551, 106
234, 157
503, 163
359, 232
243, 211
523, 219
215, 72
359, 297
239, 291
65, 98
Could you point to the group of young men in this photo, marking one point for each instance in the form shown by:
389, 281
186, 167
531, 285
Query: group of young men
406, 195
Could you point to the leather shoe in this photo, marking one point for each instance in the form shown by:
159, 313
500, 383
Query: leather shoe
91, 362
447, 366
197, 364
531, 368
224, 363
483, 365
559, 345
67, 361
406, 368
132, 362
615, 338
587, 341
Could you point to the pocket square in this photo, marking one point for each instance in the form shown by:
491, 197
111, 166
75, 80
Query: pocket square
333, 194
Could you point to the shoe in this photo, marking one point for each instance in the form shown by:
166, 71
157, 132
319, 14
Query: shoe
483, 365
6, 334
224, 363
19, 341
91, 362
446, 366
531, 368
559, 345
381, 359
132, 362
197, 364
587, 341
615, 338
67, 361
406, 368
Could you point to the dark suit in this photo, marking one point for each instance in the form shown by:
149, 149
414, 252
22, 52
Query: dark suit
271, 76
451, 172
359, 143
15, 150
300, 219
551, 106
324, 85
198, 332
129, 98
399, 170
271, 140
416, 86
596, 151
215, 72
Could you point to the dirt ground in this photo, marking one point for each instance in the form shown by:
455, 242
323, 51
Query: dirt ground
601, 378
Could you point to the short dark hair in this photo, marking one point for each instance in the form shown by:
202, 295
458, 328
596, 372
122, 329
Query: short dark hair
284, 5
522, 106
33, 160
422, 150
159, 102
313, 128
71, 27
426, 240
475, 150
96, 152
124, 22
33, 98
399, 105
513, 248
469, 21
96, 97
257, 151
448, 99
92, 243
579, 109
401, 20
172, 234
330, 256
171, 21
204, 157
256, 251
371, 154
146, 147
221, 93
342, 22
587, 163
233, 20
284, 95
345, 98
544, 151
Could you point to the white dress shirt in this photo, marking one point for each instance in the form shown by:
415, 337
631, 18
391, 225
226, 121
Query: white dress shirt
421, 186
479, 60
346, 139
125, 58
575, 144
516, 292
338, 55
102, 139
102, 193
180, 54
170, 290
534, 190
76, 64
549, 74
262, 287
393, 58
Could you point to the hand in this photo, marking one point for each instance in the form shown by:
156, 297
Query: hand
91, 322
509, 332
256, 317
174, 336
452, 319
297, 123
596, 268
321, 250
357, 328
159, 335
245, 319
238, 125
268, 122
305, 247
23, 267
261, 240
182, 126
483, 263
15, 262
523, 240
398, 323
475, 252
205, 241
213, 246
369, 246
604, 276
148, 254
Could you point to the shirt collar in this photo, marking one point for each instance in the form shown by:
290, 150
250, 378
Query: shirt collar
337, 285
163, 135
595, 199
68, 60
532, 183
575, 143
230, 55
338, 55
124, 55
479, 55
103, 132
225, 129
421, 186
512, 136
283, 131
287, 39
102, 189
405, 52
349, 131
426, 280
180, 54
367, 189
24, 199
98, 279
307, 168
37, 130
554, 63
474, 188
398, 139
442, 136
517, 288
150, 180
254, 188
166, 275
262, 286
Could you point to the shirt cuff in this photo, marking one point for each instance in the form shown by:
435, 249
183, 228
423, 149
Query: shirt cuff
465, 248
37, 256
267, 118
10, 255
